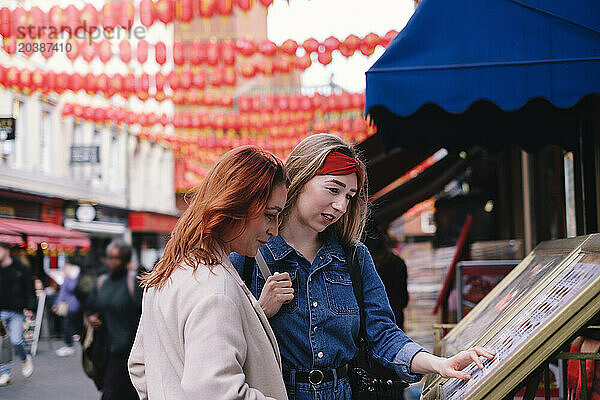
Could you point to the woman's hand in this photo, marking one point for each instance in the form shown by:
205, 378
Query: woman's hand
277, 291
425, 363
95, 321
453, 367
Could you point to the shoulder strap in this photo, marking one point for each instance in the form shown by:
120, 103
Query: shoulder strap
247, 271
101, 280
357, 287
131, 274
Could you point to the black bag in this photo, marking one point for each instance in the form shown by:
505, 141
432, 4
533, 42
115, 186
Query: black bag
95, 350
369, 379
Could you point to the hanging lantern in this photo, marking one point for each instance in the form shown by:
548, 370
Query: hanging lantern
224, 7
244, 5
142, 51
146, 13
245, 47
87, 50
213, 50
159, 81
57, 20
282, 64
24, 81
185, 10
331, 44
75, 82
67, 109
164, 11
116, 85
248, 70
387, 39
228, 52
12, 76
303, 62
125, 51
110, 15
102, 83
289, 47
46, 38
266, 3
199, 79
229, 77
349, 45
73, 24
173, 79
160, 53
310, 45
217, 76
9, 44
126, 14
39, 20
206, 8
104, 51
75, 48
197, 52
62, 82
265, 67
128, 85
37, 80
179, 52
357, 100
50, 85
5, 22
20, 20
324, 57
143, 83
89, 83
368, 44
186, 79
267, 48
89, 18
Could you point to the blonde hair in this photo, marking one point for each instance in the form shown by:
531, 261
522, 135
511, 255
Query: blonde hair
302, 165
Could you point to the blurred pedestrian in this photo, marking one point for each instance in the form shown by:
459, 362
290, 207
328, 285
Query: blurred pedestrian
202, 334
391, 269
17, 297
115, 304
67, 306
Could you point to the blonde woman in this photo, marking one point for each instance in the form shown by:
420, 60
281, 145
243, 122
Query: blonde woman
202, 334
310, 302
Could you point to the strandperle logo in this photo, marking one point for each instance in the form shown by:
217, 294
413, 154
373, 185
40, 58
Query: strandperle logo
81, 32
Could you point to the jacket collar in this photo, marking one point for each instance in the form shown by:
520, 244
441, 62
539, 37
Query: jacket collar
279, 248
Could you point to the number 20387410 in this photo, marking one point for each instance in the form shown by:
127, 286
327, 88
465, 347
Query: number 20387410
44, 47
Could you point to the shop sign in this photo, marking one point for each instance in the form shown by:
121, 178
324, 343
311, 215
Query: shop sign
7, 129
85, 154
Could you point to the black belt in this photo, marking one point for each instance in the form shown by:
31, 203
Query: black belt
316, 376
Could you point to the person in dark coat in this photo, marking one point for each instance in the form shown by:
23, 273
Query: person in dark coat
17, 294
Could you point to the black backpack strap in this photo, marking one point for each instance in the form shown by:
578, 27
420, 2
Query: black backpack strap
247, 271
357, 287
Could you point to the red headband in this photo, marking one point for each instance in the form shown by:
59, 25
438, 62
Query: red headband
340, 164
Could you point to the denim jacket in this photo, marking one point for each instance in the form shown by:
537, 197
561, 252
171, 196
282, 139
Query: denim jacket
319, 327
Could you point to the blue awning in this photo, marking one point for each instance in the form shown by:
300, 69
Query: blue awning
507, 52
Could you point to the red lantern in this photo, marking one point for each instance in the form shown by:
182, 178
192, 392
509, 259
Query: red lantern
50, 82
173, 80
197, 52
62, 82
357, 100
178, 97
110, 15
266, 3
160, 53
245, 47
87, 113
12, 76
143, 83
98, 115
87, 50
37, 79
229, 77
265, 67
39, 20
331, 44
73, 15
289, 47
324, 57
185, 10
206, 8
228, 52
102, 83
224, 7
186, 79
217, 76
129, 85
89, 18
199, 79
142, 51
126, 14
248, 70
303, 62
9, 44
125, 51
89, 83
179, 52
368, 44
75, 48
49, 50
146, 13
75, 82
5, 22
159, 81
57, 20
387, 39
116, 85
104, 50
213, 50
267, 48
310, 45
349, 45
67, 109
244, 5
20, 21
164, 11
282, 64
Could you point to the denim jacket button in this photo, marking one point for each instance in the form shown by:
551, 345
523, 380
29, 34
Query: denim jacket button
320, 355
315, 329
321, 257
315, 304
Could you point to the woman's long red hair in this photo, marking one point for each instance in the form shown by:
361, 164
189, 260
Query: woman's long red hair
234, 190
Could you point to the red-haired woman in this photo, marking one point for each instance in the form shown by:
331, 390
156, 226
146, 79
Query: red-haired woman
202, 334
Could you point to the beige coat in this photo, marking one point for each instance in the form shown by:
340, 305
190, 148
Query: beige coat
204, 336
